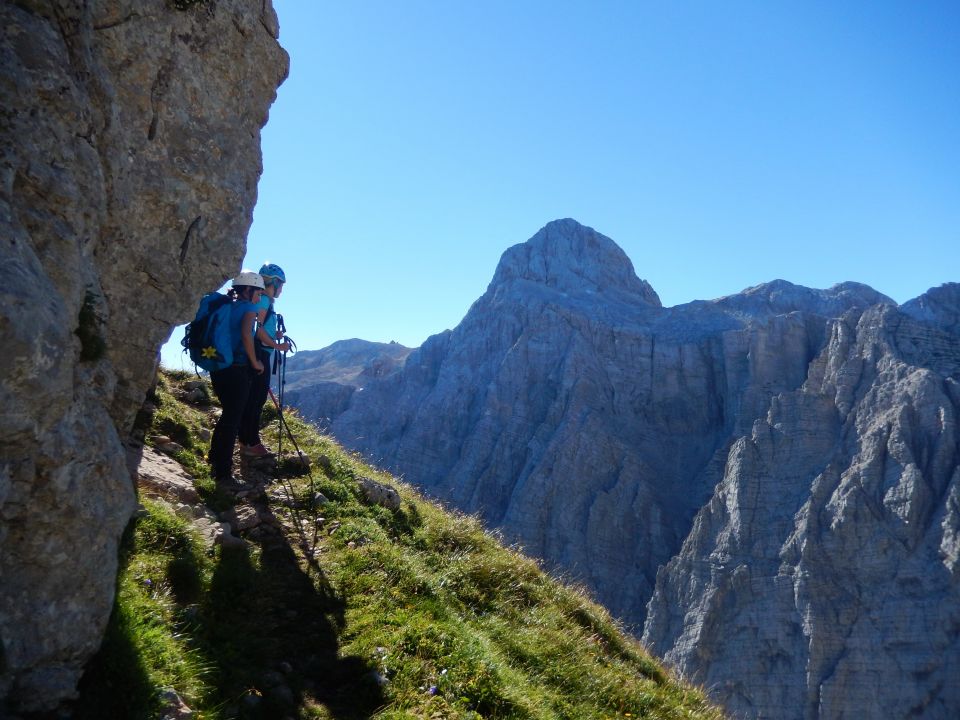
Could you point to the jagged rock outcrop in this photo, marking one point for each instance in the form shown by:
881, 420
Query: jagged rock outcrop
612, 436
129, 158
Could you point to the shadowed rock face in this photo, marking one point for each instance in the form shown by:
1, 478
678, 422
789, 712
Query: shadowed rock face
727, 442
129, 158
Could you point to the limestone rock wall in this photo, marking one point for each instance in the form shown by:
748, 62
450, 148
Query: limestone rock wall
129, 158
821, 579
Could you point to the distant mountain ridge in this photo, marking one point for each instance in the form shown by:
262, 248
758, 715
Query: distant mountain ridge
322, 382
686, 462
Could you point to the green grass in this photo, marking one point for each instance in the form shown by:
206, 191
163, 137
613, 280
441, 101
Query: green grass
414, 613
145, 647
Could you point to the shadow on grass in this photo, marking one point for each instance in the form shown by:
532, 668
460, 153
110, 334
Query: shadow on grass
266, 634
272, 633
116, 682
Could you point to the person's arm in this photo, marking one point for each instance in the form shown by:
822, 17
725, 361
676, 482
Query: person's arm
262, 335
246, 334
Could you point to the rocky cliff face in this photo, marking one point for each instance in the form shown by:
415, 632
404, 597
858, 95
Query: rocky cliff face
822, 575
787, 456
129, 158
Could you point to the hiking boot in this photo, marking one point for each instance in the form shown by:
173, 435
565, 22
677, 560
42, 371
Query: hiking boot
255, 451
229, 482
263, 463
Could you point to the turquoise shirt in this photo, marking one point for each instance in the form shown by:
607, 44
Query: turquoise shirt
270, 324
237, 311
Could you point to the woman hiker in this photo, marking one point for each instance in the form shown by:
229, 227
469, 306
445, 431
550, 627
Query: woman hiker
232, 384
268, 339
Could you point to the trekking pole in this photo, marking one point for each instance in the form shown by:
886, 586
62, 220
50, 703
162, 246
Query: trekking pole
303, 458
281, 378
280, 370
283, 423
280, 362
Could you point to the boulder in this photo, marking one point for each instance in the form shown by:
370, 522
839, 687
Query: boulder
379, 494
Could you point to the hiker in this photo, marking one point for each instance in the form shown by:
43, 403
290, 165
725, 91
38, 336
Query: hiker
269, 338
233, 383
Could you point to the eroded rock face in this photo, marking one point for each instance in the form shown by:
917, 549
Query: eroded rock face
129, 161
612, 436
821, 579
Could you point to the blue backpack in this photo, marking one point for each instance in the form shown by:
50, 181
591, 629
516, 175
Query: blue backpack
208, 338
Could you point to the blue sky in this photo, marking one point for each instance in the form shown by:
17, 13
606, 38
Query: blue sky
721, 145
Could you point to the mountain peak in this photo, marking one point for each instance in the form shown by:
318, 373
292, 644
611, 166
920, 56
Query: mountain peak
573, 258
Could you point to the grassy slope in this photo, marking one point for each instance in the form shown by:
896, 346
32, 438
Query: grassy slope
414, 613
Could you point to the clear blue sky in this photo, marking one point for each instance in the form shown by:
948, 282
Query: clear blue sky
721, 145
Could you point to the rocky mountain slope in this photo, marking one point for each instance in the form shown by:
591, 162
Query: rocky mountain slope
129, 158
766, 484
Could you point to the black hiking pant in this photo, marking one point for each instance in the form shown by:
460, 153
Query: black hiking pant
232, 386
250, 420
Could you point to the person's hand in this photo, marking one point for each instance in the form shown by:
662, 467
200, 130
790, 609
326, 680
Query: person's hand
258, 366
283, 347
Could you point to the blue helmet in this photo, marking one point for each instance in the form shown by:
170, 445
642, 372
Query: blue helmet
269, 270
